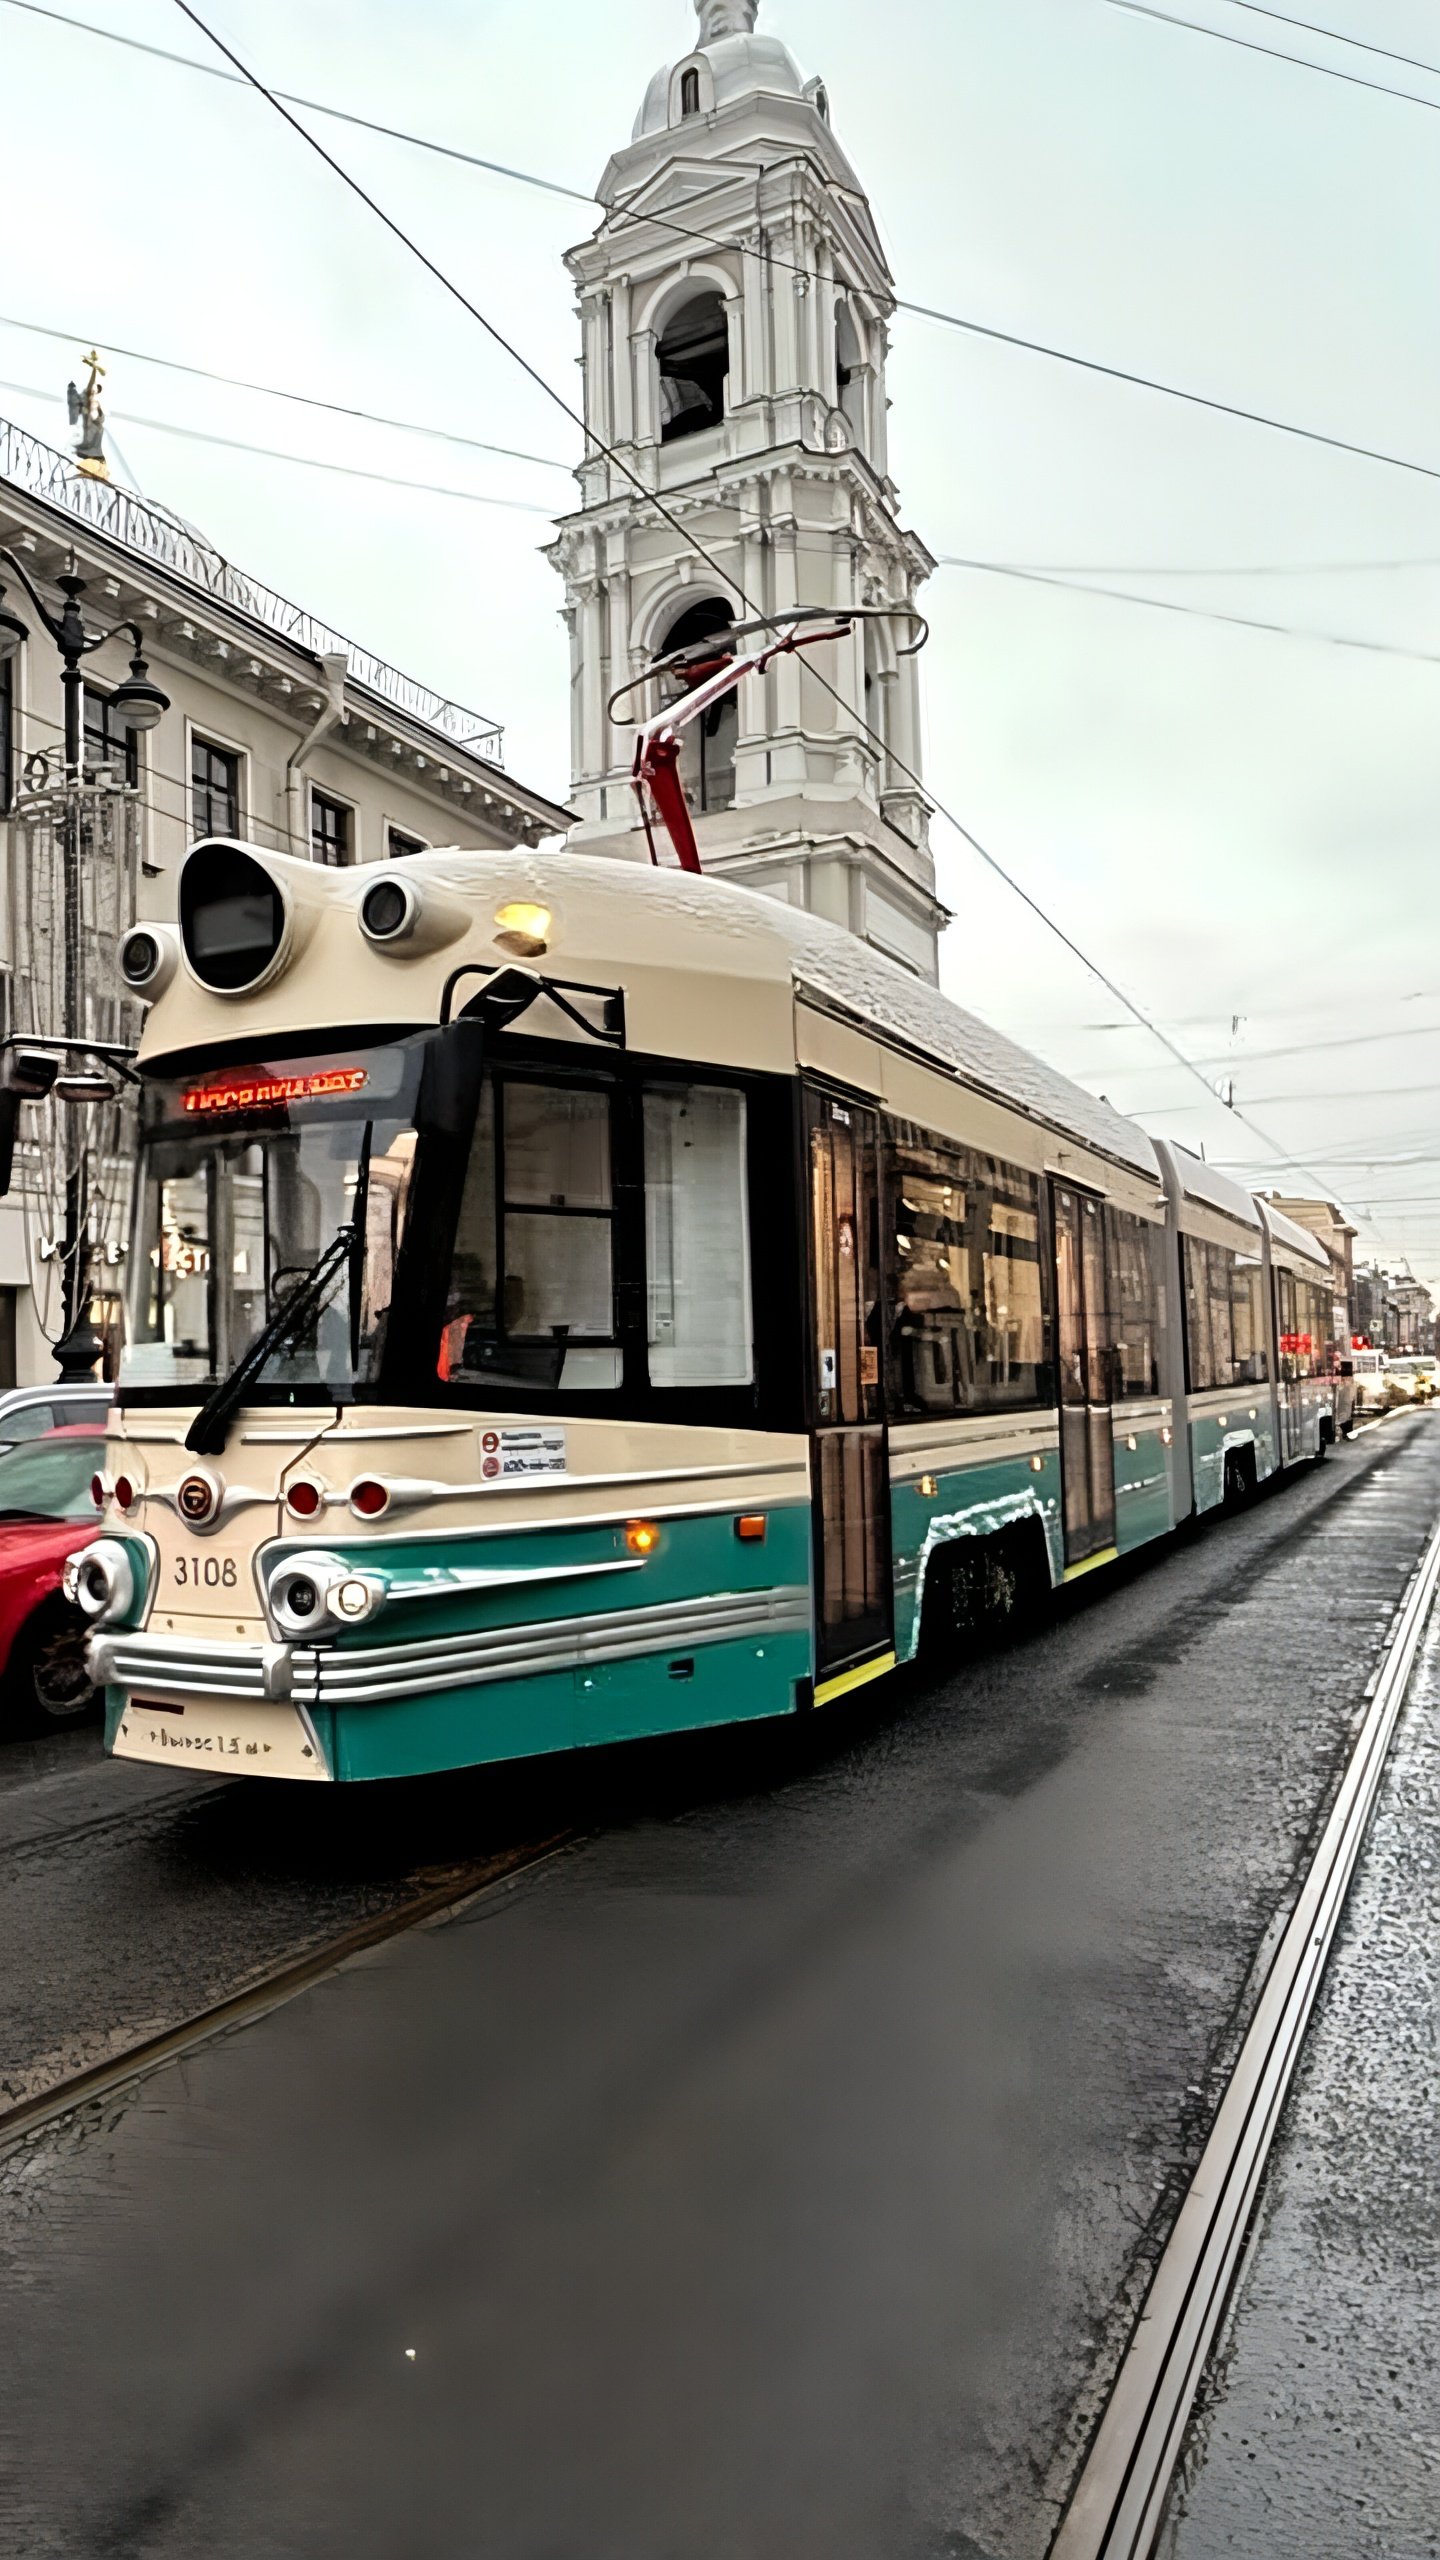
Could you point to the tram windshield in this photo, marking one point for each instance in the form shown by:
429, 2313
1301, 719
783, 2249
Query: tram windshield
247, 1175
538, 1230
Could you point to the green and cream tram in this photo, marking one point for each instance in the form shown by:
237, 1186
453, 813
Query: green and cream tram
571, 1301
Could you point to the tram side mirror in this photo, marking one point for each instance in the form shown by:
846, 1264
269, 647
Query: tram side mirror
450, 1078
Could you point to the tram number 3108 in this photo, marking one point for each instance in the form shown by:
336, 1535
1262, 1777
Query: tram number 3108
216, 1573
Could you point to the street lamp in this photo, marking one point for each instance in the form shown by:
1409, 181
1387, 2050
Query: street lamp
139, 704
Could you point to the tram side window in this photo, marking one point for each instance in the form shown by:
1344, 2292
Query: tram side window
1224, 1317
1248, 1327
531, 1300
1304, 1307
697, 1243
969, 1311
1133, 1251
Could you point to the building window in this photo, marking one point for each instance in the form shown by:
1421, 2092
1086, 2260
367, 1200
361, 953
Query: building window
694, 359
329, 831
690, 92
7, 734
707, 745
398, 844
214, 789
107, 741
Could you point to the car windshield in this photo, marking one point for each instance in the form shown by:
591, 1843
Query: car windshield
50, 1479
247, 1175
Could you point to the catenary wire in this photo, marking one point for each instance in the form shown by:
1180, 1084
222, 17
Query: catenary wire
311, 400
986, 568
308, 461
1272, 53
650, 497
1333, 35
712, 239
1192, 612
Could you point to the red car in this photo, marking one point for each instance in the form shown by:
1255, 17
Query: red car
45, 1499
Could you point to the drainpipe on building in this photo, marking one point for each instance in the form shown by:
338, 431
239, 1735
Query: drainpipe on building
334, 668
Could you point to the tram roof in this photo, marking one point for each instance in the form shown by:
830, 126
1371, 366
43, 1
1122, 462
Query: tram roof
1300, 1240
701, 961
1213, 1189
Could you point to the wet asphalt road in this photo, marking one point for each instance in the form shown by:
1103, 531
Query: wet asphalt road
1318, 2432
773, 2172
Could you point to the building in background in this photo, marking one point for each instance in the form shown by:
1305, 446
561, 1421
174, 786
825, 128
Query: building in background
1394, 1311
734, 309
277, 730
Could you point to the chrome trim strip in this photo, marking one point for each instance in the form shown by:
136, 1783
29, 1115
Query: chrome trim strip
350, 1677
332, 1675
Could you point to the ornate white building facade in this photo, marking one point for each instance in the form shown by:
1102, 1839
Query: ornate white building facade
734, 305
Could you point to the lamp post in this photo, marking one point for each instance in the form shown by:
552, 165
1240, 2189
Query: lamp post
140, 705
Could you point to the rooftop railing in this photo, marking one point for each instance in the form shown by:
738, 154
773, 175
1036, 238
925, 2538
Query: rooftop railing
155, 534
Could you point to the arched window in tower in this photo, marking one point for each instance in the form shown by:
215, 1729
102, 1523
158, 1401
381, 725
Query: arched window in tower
690, 92
707, 751
694, 359
849, 377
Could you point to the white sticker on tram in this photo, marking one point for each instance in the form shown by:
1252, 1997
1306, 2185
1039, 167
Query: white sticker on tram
506, 1454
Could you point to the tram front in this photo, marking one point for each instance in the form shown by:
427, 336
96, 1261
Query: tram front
447, 1430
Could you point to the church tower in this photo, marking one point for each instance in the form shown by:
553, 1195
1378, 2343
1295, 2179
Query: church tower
734, 305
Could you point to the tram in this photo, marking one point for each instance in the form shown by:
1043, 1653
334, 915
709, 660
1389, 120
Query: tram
571, 1302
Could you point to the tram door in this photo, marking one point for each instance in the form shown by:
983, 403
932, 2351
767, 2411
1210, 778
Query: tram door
851, 1462
1087, 1445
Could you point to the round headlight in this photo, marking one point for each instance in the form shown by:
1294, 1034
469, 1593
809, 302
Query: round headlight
386, 910
100, 1581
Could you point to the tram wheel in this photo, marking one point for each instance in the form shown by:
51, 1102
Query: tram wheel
47, 1683
973, 1588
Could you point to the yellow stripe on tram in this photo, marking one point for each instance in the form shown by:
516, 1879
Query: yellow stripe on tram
854, 1679
1107, 1555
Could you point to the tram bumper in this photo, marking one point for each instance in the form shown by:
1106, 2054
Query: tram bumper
207, 1701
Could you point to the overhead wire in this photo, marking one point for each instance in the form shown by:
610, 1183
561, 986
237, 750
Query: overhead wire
652, 499
1335, 35
273, 391
1272, 53
308, 461
668, 223
1191, 612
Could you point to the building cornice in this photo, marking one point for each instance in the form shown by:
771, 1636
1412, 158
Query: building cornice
225, 635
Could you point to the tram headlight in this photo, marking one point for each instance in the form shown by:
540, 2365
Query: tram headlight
310, 1593
99, 1581
407, 914
149, 957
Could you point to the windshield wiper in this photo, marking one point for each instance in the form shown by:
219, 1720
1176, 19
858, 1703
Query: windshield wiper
210, 1429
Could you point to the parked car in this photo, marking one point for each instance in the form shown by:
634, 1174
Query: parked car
1371, 1397
1409, 1380
45, 1496
27, 1412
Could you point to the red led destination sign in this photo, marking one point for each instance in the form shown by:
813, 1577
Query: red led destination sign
272, 1093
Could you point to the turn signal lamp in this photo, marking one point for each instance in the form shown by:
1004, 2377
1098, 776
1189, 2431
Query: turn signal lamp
303, 1498
369, 1498
125, 1493
1037, 1465
929, 1486
641, 1537
97, 1492
751, 1527
522, 928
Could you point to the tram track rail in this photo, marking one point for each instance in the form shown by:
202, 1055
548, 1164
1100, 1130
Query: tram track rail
279, 1983
1116, 2506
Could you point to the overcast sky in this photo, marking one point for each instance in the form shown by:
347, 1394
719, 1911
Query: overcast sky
1239, 827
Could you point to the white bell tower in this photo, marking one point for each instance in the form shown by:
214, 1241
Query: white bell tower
734, 307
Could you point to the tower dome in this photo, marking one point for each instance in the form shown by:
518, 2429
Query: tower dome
738, 64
